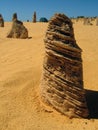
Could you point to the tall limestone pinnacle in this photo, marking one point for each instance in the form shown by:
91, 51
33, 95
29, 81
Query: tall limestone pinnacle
62, 77
34, 17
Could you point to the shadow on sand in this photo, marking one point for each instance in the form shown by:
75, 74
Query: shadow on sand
92, 102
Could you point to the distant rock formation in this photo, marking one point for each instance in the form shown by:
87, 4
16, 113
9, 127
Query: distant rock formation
18, 29
87, 21
62, 78
34, 17
97, 21
1, 21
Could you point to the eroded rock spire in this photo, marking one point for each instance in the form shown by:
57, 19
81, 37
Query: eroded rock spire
62, 78
18, 29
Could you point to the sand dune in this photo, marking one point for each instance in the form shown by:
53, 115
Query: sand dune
20, 72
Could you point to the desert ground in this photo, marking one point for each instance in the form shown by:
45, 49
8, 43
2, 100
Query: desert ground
21, 63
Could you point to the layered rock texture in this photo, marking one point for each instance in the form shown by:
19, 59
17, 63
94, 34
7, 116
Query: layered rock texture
18, 29
1, 21
62, 79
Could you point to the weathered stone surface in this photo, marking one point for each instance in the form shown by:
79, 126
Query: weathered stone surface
62, 79
18, 29
1, 21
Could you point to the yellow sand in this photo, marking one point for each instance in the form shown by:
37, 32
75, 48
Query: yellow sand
20, 72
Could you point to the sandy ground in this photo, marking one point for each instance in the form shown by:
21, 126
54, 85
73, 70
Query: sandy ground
20, 72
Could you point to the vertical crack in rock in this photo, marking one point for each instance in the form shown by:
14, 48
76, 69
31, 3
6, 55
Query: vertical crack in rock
62, 78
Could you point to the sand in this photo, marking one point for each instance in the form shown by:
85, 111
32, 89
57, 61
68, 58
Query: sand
20, 72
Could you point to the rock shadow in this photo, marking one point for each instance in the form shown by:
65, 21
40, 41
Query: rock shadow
29, 37
92, 102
